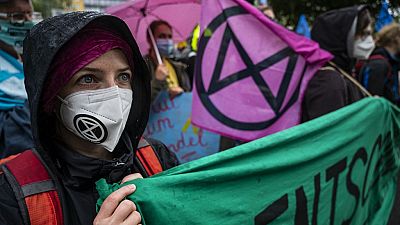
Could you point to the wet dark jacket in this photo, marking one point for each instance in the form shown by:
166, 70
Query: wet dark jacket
378, 76
74, 173
159, 85
329, 90
15, 131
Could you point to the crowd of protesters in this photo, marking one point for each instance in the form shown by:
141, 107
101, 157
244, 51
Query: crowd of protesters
97, 67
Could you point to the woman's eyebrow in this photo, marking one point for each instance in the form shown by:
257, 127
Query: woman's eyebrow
90, 69
93, 69
124, 69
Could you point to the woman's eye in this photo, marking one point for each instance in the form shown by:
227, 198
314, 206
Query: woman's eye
86, 79
125, 77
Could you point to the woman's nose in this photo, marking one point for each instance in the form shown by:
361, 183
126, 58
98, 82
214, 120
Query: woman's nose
28, 17
109, 81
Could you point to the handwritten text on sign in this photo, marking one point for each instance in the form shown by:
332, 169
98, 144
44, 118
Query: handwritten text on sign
170, 123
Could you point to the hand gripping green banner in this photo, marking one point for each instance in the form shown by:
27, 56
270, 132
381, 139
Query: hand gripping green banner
338, 169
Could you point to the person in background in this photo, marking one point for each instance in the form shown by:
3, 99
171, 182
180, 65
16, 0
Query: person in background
168, 75
268, 11
347, 34
89, 103
187, 55
15, 129
379, 74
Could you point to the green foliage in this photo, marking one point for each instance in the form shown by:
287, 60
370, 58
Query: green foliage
45, 6
288, 11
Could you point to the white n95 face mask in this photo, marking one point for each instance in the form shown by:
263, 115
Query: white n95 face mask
363, 47
98, 116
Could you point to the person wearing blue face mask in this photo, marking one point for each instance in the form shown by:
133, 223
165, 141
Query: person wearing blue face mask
379, 74
167, 74
15, 129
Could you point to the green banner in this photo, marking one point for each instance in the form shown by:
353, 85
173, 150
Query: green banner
338, 169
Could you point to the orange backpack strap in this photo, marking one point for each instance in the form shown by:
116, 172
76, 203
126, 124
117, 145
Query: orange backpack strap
34, 189
148, 158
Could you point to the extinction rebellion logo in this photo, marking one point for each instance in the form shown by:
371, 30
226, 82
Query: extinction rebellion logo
279, 104
90, 128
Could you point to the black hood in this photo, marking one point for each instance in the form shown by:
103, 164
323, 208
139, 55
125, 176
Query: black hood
41, 46
331, 30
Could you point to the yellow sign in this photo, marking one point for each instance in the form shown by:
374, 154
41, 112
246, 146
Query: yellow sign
77, 5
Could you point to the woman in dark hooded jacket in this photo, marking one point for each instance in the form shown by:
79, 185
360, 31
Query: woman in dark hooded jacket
347, 34
89, 93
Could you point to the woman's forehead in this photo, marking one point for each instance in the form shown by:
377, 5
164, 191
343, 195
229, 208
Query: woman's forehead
112, 59
163, 29
16, 6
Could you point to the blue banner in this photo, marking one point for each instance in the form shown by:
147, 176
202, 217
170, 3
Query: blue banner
384, 17
170, 122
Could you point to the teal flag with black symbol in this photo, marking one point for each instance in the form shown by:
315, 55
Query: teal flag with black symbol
337, 169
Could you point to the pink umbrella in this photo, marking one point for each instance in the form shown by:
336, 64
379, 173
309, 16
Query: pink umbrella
183, 15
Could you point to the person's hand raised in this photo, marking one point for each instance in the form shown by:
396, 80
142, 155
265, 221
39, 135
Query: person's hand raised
161, 72
175, 91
